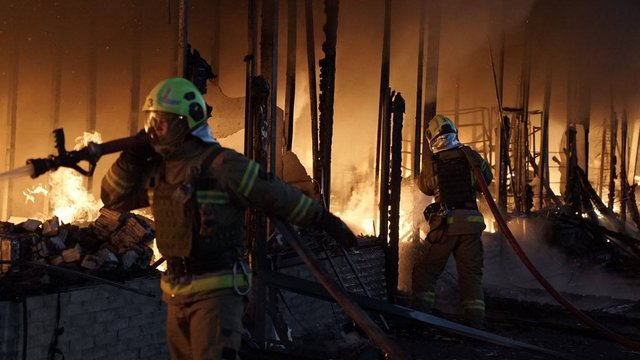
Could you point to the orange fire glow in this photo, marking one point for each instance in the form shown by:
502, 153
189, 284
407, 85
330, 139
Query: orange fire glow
67, 197
362, 214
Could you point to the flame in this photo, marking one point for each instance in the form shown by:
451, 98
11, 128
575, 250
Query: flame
30, 194
362, 214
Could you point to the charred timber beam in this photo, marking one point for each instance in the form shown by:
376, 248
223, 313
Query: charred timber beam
215, 38
183, 28
624, 185
543, 170
385, 158
257, 221
420, 82
570, 193
521, 149
393, 256
250, 72
585, 107
352, 309
612, 157
273, 11
603, 150
313, 289
633, 205
327, 90
313, 97
290, 91
503, 164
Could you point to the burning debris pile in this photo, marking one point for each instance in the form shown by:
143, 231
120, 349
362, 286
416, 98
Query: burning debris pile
114, 242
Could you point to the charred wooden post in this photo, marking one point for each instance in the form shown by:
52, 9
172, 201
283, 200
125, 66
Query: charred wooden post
585, 109
624, 184
543, 168
215, 38
398, 109
498, 33
612, 159
259, 116
290, 82
633, 205
272, 26
382, 110
420, 82
250, 72
327, 89
183, 36
521, 187
603, 150
313, 97
385, 164
503, 164
571, 193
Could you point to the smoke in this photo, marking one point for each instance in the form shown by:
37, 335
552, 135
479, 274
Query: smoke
572, 275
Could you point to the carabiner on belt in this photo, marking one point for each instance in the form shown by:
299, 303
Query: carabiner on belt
245, 273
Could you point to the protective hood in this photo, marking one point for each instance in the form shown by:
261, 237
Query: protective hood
445, 142
203, 133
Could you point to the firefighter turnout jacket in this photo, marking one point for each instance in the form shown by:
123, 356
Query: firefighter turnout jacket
448, 177
198, 195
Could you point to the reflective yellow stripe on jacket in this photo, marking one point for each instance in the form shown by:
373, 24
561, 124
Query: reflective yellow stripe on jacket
212, 197
471, 218
477, 304
213, 282
249, 178
301, 209
117, 183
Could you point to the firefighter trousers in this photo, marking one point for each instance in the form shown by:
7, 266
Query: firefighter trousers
206, 329
468, 254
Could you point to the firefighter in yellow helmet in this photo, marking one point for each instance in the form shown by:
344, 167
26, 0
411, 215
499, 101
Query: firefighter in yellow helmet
198, 192
455, 224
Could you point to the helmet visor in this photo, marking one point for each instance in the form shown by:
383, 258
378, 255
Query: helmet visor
166, 131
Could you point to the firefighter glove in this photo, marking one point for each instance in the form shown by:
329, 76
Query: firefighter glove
338, 230
142, 152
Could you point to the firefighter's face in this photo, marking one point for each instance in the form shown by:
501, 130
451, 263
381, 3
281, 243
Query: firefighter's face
167, 131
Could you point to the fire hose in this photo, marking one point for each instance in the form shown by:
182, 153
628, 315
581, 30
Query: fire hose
504, 228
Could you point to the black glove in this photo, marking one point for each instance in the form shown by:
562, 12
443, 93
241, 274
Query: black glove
338, 230
142, 152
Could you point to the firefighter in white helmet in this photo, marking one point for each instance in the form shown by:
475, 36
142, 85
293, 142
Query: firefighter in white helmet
198, 192
455, 224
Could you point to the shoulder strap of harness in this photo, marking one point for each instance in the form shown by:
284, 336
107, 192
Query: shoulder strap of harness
209, 159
